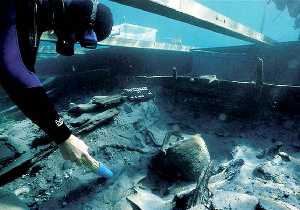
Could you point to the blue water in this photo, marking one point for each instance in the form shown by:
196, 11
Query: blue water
277, 25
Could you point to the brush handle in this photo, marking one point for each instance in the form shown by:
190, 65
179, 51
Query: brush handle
104, 171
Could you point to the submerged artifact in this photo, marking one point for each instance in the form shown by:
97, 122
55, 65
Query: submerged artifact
185, 160
95, 104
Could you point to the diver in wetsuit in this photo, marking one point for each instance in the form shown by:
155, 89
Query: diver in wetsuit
21, 24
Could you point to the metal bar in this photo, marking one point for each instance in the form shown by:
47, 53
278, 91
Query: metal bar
194, 13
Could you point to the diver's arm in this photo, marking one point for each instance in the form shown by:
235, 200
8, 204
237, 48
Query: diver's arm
26, 90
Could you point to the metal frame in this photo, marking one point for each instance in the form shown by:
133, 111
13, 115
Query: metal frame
194, 13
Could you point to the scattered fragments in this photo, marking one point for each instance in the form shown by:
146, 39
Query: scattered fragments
186, 160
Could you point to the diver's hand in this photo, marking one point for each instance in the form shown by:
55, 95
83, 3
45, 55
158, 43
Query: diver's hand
75, 150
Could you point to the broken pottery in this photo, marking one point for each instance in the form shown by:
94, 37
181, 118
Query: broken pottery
185, 160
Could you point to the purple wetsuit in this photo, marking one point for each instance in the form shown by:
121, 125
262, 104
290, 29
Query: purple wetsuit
17, 77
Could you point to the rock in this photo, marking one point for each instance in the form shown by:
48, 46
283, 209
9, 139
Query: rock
284, 156
267, 172
9, 201
233, 200
185, 160
269, 204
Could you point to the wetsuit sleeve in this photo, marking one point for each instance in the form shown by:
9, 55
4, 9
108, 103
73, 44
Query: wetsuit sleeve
25, 89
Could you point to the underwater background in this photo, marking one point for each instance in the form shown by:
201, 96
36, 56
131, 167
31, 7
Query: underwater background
208, 122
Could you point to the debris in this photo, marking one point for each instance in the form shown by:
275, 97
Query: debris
234, 200
186, 160
144, 200
78, 109
270, 204
9, 201
96, 104
97, 120
107, 101
23, 163
138, 94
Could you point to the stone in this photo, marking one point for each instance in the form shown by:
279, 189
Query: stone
9, 201
233, 200
270, 204
185, 160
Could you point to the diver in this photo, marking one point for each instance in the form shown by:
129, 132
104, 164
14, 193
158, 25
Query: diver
22, 23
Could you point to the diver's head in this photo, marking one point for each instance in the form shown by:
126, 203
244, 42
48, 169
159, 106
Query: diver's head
83, 21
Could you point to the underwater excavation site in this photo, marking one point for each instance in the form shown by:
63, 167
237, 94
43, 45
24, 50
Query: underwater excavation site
190, 104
